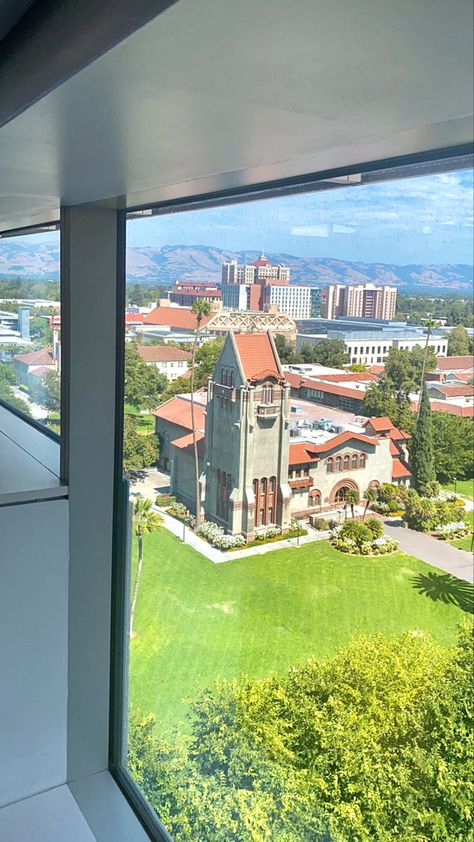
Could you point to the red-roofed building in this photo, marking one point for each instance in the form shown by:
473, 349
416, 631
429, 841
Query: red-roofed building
251, 473
173, 420
448, 391
185, 293
175, 318
319, 391
31, 368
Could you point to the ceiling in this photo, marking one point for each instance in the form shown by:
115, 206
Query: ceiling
217, 94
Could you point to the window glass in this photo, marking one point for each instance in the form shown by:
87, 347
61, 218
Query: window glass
265, 566
30, 326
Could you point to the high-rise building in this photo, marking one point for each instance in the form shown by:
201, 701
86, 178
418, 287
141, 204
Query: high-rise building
295, 301
261, 271
367, 301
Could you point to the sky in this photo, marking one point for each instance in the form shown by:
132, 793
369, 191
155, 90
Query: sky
427, 219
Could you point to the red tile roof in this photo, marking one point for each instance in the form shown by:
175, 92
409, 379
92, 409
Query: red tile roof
256, 355
349, 376
41, 357
399, 470
312, 451
178, 411
186, 443
455, 363
177, 317
302, 452
455, 391
377, 369
450, 408
334, 389
295, 380
162, 353
134, 318
41, 371
380, 425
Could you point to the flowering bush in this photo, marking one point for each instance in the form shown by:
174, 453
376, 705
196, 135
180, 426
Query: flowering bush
362, 538
179, 511
215, 535
426, 515
455, 529
262, 533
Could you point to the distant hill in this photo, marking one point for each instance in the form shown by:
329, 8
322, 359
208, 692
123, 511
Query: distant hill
169, 264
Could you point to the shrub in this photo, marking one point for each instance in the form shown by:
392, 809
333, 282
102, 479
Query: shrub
432, 489
165, 500
262, 533
375, 526
215, 535
362, 538
455, 529
425, 515
321, 524
179, 511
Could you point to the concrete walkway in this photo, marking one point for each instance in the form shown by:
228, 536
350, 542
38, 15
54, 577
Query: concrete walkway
438, 553
219, 557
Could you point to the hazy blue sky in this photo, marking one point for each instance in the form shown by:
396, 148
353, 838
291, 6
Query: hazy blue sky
416, 220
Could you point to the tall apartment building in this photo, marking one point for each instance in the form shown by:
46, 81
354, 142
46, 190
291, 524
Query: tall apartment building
295, 301
261, 271
367, 301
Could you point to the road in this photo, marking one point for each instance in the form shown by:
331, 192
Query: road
438, 553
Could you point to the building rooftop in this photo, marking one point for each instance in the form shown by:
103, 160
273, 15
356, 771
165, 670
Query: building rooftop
41, 357
178, 411
174, 317
162, 353
455, 363
257, 355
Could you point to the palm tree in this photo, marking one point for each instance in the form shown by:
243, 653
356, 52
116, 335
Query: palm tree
370, 496
200, 309
352, 497
145, 520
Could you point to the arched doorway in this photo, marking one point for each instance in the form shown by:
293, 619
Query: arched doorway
339, 492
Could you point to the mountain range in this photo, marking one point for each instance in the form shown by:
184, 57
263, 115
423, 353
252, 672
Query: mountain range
168, 264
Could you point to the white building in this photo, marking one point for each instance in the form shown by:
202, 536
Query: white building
171, 361
295, 301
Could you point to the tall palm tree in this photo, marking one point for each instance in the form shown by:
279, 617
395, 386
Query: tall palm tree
145, 520
370, 496
200, 309
352, 497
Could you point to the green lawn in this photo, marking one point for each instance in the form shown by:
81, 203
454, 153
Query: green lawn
465, 487
196, 620
145, 423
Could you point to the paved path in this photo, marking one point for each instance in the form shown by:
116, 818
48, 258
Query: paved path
219, 557
438, 553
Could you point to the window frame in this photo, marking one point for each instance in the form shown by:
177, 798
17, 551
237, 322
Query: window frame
387, 169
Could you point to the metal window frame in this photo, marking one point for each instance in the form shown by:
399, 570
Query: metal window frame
441, 160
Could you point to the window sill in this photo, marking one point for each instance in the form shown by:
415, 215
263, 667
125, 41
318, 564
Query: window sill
29, 462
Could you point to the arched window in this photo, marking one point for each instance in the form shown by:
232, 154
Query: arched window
346, 463
232, 379
272, 485
330, 465
224, 376
341, 494
362, 460
355, 461
338, 463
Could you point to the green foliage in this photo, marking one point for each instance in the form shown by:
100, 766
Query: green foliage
7, 383
143, 383
358, 367
139, 451
458, 341
286, 351
40, 330
375, 743
415, 308
52, 391
422, 455
178, 386
145, 519
206, 360
424, 514
140, 295
329, 352
19, 288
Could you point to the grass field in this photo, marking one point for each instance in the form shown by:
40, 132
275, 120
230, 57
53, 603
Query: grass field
145, 423
465, 487
196, 620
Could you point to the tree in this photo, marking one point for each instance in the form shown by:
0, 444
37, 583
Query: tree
358, 367
7, 385
329, 352
352, 497
52, 391
206, 360
139, 450
370, 496
422, 456
40, 330
375, 743
458, 341
286, 351
145, 521
453, 445
143, 383
200, 310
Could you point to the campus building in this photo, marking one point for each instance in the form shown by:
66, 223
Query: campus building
253, 473
261, 271
366, 301
185, 293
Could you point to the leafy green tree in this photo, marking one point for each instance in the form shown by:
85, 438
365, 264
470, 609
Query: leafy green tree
329, 352
286, 351
143, 383
178, 386
422, 455
453, 445
358, 367
458, 341
375, 743
52, 391
40, 330
201, 309
7, 384
206, 360
139, 450
145, 520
